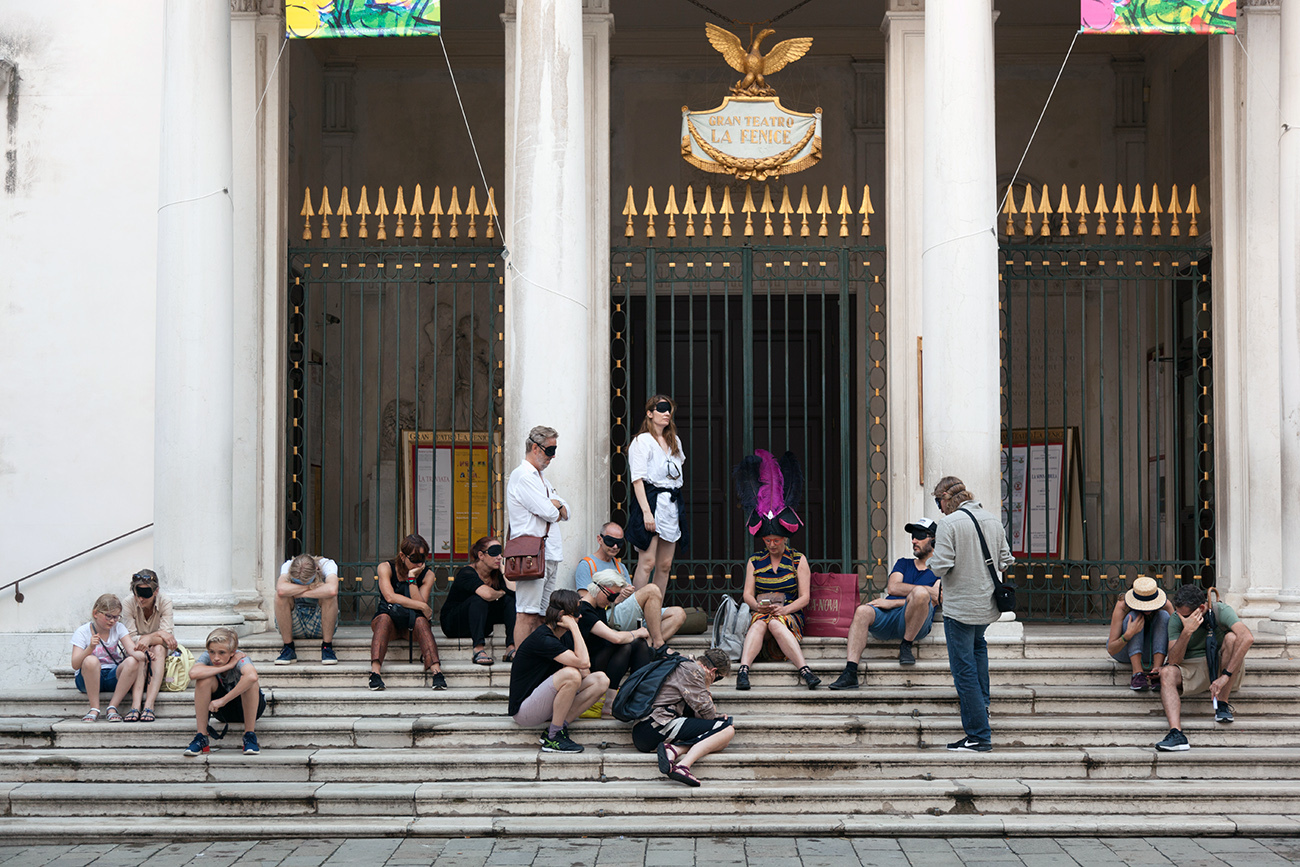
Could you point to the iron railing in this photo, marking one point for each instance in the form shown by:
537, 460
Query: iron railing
1107, 390
395, 386
770, 347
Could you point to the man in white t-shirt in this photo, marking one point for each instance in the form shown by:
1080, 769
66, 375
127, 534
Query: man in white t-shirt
632, 605
307, 605
532, 506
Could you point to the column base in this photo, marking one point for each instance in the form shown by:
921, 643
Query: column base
1006, 629
197, 617
1285, 620
1259, 603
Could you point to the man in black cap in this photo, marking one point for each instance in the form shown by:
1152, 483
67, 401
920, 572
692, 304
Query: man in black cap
905, 614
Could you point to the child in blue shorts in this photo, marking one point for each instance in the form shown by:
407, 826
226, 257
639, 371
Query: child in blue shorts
104, 657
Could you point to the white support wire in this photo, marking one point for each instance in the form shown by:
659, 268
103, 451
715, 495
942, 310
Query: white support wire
505, 247
256, 110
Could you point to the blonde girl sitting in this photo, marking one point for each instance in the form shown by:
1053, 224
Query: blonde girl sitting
106, 659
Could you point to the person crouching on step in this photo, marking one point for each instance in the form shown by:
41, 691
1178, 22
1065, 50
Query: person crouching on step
225, 686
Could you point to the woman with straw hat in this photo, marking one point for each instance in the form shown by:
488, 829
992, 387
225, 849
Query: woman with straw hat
1139, 632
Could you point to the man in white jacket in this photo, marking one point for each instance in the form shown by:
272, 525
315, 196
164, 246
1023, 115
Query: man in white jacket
531, 505
968, 606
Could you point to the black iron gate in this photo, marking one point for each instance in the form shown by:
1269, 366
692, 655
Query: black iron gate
394, 415
762, 345
1107, 399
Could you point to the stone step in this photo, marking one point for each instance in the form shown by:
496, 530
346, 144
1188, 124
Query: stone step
657, 797
826, 732
48, 700
1224, 822
739, 763
1005, 640
1002, 672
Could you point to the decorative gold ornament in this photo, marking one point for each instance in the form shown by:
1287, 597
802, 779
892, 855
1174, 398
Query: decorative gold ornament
753, 64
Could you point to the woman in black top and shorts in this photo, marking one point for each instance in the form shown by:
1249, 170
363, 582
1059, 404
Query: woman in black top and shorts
614, 652
479, 598
546, 679
404, 586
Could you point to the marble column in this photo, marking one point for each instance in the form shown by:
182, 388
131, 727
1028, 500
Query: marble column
260, 158
1287, 617
1244, 202
549, 300
193, 399
959, 270
904, 29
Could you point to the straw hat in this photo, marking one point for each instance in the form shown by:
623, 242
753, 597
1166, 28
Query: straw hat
1145, 595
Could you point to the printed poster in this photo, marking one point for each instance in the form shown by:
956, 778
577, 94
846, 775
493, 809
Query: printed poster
1157, 16
333, 19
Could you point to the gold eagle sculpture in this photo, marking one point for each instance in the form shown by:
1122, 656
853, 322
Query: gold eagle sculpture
753, 64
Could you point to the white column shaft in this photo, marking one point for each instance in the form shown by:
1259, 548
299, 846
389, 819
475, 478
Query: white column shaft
548, 290
193, 380
1288, 228
959, 257
904, 136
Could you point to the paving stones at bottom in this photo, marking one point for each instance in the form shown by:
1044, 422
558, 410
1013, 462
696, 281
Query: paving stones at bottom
373, 851
127, 855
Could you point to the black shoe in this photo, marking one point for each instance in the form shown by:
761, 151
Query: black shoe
438, 681
970, 745
1174, 742
287, 655
809, 678
905, 656
848, 678
560, 743
1224, 713
742, 678
376, 682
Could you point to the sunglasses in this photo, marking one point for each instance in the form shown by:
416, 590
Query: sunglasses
143, 591
493, 551
549, 451
417, 558
663, 406
610, 593
938, 501
612, 541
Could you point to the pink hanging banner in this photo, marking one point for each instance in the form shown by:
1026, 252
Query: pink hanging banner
1157, 16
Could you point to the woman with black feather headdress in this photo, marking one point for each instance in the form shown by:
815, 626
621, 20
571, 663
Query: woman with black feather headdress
777, 579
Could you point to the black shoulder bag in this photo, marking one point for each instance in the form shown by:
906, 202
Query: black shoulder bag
1004, 595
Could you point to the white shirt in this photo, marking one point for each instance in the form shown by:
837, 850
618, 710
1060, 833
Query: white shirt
328, 567
529, 508
85, 636
648, 462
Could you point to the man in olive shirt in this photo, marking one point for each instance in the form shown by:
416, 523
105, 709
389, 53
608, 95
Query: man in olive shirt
1186, 669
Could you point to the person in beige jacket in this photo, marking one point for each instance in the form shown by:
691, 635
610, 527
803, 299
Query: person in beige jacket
968, 606
147, 616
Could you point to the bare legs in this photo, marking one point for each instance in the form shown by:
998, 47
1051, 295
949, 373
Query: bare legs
575, 693
526, 624
712, 744
126, 676
784, 639
662, 623
658, 558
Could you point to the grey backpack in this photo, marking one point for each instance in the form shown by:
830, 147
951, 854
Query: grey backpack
730, 623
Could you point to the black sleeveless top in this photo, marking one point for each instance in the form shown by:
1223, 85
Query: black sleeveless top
402, 586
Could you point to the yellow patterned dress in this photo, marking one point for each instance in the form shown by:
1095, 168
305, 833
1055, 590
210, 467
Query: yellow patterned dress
781, 577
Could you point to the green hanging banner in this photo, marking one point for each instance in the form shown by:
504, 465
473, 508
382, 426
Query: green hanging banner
1157, 16
332, 19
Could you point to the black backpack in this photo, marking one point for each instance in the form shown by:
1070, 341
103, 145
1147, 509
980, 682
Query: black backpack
636, 697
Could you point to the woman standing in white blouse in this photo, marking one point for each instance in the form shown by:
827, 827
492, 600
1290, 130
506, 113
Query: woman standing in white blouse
655, 459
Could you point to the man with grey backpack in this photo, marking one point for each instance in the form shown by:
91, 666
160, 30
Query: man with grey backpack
964, 533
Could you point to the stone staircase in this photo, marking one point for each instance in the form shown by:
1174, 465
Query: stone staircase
1073, 755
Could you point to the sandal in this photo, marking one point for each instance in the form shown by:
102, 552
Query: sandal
481, 658
147, 715
667, 759
509, 656
683, 775
112, 715
133, 715
91, 715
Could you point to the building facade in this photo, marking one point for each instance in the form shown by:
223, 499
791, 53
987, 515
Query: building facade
262, 317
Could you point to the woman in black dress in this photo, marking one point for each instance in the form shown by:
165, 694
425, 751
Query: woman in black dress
479, 598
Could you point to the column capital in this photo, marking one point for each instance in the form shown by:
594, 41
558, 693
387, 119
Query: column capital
257, 7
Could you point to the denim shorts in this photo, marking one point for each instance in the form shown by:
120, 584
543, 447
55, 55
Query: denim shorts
107, 680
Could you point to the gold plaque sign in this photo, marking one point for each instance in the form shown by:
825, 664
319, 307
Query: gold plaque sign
751, 135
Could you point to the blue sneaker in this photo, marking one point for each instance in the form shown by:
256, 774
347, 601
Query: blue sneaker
250, 744
287, 655
327, 656
198, 746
